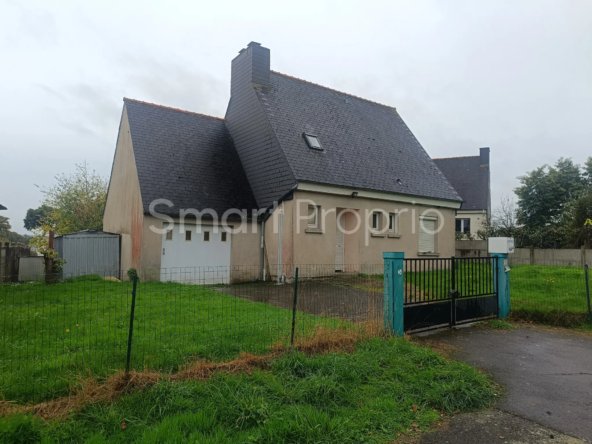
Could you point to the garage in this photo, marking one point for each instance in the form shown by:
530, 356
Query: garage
196, 254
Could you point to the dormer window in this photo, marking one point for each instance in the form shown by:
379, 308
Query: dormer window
313, 142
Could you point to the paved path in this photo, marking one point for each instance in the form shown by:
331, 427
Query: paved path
351, 298
495, 427
547, 372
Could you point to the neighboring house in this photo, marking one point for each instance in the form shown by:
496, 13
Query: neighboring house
300, 158
470, 177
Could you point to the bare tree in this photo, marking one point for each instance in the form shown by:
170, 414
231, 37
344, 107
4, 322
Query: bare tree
503, 218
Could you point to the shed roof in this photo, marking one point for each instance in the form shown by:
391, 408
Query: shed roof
88, 233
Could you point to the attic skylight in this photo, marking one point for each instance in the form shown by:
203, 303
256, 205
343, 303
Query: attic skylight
313, 141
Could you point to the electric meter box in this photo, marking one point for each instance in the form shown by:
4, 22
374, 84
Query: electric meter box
502, 245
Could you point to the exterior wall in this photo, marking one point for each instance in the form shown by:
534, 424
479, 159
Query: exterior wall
302, 248
551, 257
245, 255
31, 268
123, 209
272, 239
471, 248
478, 219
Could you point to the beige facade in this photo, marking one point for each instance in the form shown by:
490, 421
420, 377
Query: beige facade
245, 255
123, 210
363, 246
478, 219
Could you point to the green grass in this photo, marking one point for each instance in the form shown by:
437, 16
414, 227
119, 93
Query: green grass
367, 396
499, 324
52, 334
545, 288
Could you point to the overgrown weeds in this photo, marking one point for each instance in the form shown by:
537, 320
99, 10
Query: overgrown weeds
369, 391
92, 389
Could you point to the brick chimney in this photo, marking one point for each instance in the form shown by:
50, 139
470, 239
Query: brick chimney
484, 156
250, 66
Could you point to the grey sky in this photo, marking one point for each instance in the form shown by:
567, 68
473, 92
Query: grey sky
512, 75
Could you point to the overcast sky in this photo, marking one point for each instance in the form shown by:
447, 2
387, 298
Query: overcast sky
512, 75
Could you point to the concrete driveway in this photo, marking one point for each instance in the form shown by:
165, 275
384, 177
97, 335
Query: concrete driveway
546, 372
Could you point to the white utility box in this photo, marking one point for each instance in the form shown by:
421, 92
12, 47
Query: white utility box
502, 245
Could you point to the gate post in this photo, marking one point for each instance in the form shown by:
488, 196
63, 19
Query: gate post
394, 296
501, 283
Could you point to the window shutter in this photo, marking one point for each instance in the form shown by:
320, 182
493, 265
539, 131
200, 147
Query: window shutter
427, 243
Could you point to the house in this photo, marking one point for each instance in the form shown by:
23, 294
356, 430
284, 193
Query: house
2, 207
470, 177
296, 173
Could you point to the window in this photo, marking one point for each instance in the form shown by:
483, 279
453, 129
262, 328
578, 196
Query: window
313, 216
394, 223
206, 236
223, 236
377, 221
313, 141
463, 225
427, 234
169, 235
188, 235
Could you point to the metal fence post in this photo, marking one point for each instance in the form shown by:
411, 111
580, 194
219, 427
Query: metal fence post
502, 282
453, 292
294, 308
394, 293
134, 276
588, 292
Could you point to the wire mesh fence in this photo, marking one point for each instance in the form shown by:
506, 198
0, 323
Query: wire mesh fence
80, 326
556, 294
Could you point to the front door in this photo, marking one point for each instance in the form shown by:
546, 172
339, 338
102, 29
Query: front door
339, 243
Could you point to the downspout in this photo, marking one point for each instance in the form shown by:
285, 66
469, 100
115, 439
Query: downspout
280, 239
263, 271
266, 216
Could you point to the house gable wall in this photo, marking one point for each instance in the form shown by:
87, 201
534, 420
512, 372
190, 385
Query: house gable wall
123, 208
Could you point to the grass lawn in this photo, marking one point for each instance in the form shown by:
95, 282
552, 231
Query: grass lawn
532, 287
53, 333
384, 388
544, 288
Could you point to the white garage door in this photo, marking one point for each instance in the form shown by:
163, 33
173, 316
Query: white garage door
200, 254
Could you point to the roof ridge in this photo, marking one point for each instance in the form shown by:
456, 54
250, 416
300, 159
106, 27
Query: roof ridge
456, 157
127, 99
331, 89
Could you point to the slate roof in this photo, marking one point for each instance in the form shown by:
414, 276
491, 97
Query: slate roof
366, 145
469, 178
2, 207
187, 158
